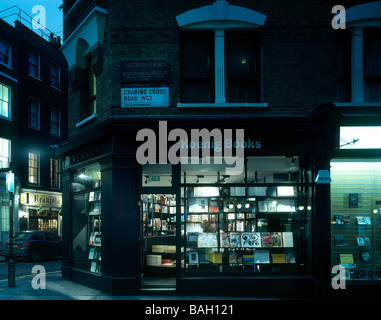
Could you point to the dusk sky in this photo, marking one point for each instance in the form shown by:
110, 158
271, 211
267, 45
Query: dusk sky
53, 14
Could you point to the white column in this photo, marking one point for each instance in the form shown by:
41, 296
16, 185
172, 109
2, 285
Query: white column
219, 68
357, 80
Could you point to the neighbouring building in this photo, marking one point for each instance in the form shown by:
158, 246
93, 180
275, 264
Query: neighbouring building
205, 153
33, 121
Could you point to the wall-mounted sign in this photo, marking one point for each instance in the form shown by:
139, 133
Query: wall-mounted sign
86, 154
40, 199
144, 71
145, 97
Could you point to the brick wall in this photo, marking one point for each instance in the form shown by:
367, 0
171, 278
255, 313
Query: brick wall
298, 51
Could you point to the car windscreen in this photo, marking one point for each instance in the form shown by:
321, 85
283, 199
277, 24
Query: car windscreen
19, 236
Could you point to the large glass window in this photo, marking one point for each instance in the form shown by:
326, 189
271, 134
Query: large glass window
86, 215
257, 223
355, 217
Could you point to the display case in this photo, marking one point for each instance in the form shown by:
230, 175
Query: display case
242, 229
94, 231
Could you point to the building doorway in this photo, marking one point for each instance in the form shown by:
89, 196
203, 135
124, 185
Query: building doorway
158, 245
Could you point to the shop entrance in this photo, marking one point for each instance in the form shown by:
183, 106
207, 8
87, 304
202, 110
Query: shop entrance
158, 245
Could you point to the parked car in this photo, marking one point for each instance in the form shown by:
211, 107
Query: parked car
34, 245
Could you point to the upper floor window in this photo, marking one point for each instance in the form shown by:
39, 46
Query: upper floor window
361, 55
33, 167
34, 114
219, 61
55, 76
5, 53
54, 173
5, 153
5, 101
34, 64
241, 66
197, 63
92, 89
55, 122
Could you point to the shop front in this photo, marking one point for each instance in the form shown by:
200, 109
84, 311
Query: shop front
356, 207
214, 222
40, 210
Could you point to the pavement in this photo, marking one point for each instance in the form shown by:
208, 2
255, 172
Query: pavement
30, 287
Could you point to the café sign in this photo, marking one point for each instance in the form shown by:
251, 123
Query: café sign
40, 199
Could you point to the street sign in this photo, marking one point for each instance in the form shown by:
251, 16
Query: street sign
10, 182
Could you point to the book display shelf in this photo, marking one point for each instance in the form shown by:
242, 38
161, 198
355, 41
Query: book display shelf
159, 228
354, 244
240, 229
94, 231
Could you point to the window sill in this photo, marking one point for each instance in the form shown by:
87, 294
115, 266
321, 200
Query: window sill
357, 104
223, 105
34, 77
86, 120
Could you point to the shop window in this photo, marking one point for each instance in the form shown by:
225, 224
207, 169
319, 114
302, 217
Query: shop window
4, 218
86, 215
5, 101
355, 218
259, 227
33, 167
158, 216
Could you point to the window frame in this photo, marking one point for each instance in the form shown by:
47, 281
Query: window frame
9, 142
58, 133
58, 78
30, 125
54, 170
9, 117
37, 66
8, 54
36, 168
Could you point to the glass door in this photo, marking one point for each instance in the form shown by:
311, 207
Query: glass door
158, 245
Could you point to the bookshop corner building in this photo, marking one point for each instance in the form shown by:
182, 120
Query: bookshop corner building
304, 200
